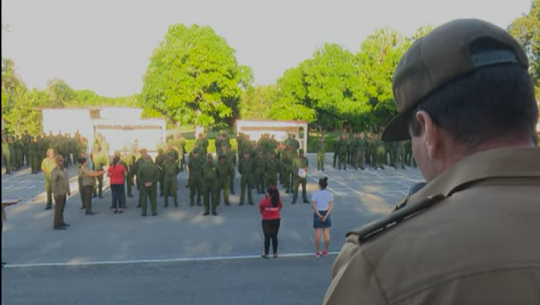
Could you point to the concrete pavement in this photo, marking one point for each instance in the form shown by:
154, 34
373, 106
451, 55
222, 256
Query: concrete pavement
146, 250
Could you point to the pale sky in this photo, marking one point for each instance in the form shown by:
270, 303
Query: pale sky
105, 45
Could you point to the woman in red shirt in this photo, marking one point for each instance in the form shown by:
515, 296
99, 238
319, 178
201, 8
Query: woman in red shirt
270, 207
117, 174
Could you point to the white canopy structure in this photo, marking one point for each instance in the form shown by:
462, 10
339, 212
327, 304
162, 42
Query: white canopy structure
279, 129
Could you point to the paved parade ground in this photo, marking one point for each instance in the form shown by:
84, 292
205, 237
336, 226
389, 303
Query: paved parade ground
180, 256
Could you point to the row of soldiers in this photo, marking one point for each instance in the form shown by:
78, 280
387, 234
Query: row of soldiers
357, 151
27, 150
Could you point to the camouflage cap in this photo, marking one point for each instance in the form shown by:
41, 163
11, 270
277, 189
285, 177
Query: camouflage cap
222, 157
301, 151
451, 50
210, 157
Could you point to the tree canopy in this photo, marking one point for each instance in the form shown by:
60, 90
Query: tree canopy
194, 77
526, 29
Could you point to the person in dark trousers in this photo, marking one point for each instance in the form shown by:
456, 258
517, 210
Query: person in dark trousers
61, 191
270, 208
88, 183
117, 173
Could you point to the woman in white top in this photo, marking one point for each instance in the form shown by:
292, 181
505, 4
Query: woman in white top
322, 203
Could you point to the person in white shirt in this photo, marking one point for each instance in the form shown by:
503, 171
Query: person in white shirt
322, 202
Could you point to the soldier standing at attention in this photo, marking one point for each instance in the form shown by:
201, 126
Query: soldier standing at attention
60, 190
271, 170
231, 159
224, 171
210, 186
148, 176
195, 177
300, 167
170, 169
100, 160
246, 169
477, 216
47, 166
320, 154
33, 155
259, 173
360, 153
160, 159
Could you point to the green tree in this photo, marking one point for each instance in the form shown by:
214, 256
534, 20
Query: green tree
378, 58
194, 77
60, 94
257, 101
526, 29
292, 94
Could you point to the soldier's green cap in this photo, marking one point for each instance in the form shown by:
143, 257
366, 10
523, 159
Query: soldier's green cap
170, 155
450, 51
195, 151
301, 151
210, 157
117, 153
222, 157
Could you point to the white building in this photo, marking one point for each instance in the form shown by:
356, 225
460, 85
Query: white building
279, 129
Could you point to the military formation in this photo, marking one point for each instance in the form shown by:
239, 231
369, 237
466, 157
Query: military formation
211, 177
358, 151
29, 150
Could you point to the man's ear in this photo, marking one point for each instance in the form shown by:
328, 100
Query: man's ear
431, 133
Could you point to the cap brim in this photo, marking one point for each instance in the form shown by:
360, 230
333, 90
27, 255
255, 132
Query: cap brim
397, 129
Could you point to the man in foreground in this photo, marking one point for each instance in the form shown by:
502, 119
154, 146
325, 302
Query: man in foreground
470, 235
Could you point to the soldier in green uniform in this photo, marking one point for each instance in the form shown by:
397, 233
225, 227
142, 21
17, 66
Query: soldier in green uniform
26, 140
18, 153
210, 186
34, 154
6, 154
100, 160
360, 151
246, 169
82, 156
380, 154
160, 158
300, 166
195, 177
148, 176
321, 148
231, 159
133, 156
259, 173
337, 142
343, 149
288, 158
224, 171
135, 169
400, 154
271, 170
47, 166
170, 169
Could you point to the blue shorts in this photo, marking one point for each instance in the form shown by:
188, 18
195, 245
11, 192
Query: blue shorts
317, 222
